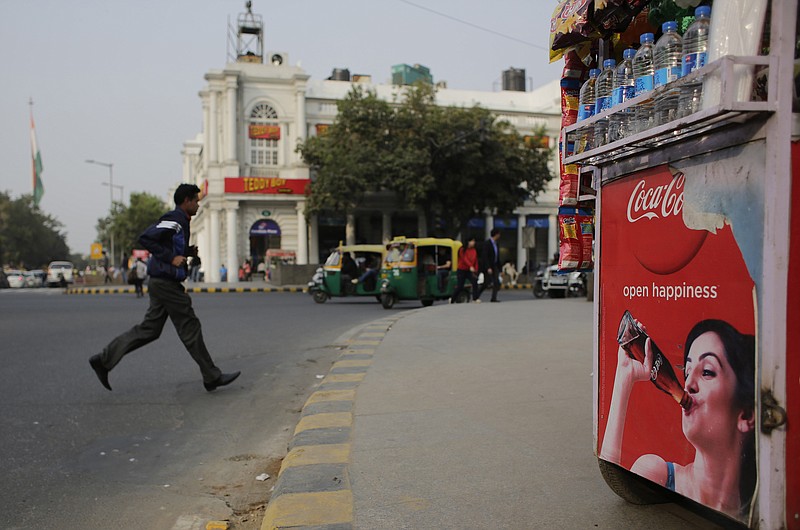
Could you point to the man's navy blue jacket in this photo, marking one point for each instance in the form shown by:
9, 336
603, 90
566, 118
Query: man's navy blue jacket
168, 238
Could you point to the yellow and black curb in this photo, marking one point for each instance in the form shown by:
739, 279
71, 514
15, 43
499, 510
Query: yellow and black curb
130, 290
313, 488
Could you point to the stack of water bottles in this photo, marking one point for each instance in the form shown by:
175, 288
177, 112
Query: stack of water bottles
652, 66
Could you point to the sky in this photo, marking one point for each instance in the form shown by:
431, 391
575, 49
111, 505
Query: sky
117, 81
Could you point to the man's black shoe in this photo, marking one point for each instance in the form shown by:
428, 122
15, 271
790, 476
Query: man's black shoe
494, 300
222, 380
100, 370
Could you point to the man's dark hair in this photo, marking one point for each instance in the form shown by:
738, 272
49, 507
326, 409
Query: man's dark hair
185, 191
494, 232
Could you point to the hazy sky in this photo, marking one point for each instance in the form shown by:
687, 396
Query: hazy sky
117, 81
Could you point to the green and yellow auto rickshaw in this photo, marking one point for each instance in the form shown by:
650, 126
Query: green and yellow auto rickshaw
420, 269
350, 270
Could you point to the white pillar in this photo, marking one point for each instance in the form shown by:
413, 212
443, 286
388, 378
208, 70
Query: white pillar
350, 230
300, 119
213, 140
489, 225
313, 241
387, 227
521, 252
206, 132
302, 234
283, 149
232, 257
230, 129
552, 236
212, 272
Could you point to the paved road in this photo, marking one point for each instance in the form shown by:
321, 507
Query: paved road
158, 451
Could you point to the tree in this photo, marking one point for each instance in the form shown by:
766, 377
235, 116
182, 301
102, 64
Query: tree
452, 163
128, 222
28, 237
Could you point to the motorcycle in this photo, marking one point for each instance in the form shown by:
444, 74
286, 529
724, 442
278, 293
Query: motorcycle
550, 282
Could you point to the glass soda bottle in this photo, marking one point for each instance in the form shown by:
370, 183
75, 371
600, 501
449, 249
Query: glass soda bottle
643, 82
619, 123
631, 337
695, 44
603, 101
586, 110
667, 56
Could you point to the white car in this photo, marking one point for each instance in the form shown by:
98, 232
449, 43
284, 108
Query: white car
58, 269
34, 278
16, 279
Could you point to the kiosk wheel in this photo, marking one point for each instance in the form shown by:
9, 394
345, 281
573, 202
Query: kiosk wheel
427, 302
631, 487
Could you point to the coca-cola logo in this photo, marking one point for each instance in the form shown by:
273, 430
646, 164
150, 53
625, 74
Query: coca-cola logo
655, 231
652, 202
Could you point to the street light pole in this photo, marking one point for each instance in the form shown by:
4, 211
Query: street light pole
110, 167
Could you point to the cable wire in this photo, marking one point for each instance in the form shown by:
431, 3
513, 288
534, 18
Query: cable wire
493, 32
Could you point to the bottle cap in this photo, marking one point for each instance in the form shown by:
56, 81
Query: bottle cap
594, 72
669, 26
703, 11
629, 53
646, 37
609, 63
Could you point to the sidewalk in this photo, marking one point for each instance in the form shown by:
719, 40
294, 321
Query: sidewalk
458, 416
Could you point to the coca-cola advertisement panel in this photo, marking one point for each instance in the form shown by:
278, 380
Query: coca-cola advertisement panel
676, 400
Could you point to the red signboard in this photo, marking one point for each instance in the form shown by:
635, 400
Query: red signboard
267, 185
685, 416
322, 128
265, 132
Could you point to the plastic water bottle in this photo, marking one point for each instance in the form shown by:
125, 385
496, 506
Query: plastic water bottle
586, 110
643, 82
603, 86
620, 122
667, 68
695, 43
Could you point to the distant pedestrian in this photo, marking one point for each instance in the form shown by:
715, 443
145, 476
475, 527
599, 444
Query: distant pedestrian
140, 270
490, 263
123, 268
167, 241
106, 273
194, 271
223, 273
510, 273
467, 269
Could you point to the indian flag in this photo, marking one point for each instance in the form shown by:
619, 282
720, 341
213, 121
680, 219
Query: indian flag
38, 187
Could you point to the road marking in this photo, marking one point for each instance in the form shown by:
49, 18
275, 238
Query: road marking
316, 454
331, 395
324, 420
309, 509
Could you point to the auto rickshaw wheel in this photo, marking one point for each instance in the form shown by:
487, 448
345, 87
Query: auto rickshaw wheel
320, 297
462, 297
630, 486
388, 300
427, 302
538, 290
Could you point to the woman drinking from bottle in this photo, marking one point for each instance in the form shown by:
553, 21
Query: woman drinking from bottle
719, 423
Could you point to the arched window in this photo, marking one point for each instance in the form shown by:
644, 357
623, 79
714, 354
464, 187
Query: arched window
264, 146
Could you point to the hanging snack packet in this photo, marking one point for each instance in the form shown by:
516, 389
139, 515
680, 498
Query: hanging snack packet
569, 24
576, 237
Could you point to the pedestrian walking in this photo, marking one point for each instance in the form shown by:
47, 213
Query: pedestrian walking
490, 263
107, 274
467, 270
167, 241
123, 268
140, 269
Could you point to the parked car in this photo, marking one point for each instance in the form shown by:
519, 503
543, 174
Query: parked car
35, 278
16, 279
58, 270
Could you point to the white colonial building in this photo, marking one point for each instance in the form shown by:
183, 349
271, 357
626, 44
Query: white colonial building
255, 112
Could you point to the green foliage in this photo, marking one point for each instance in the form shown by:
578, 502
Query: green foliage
453, 163
28, 237
128, 222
